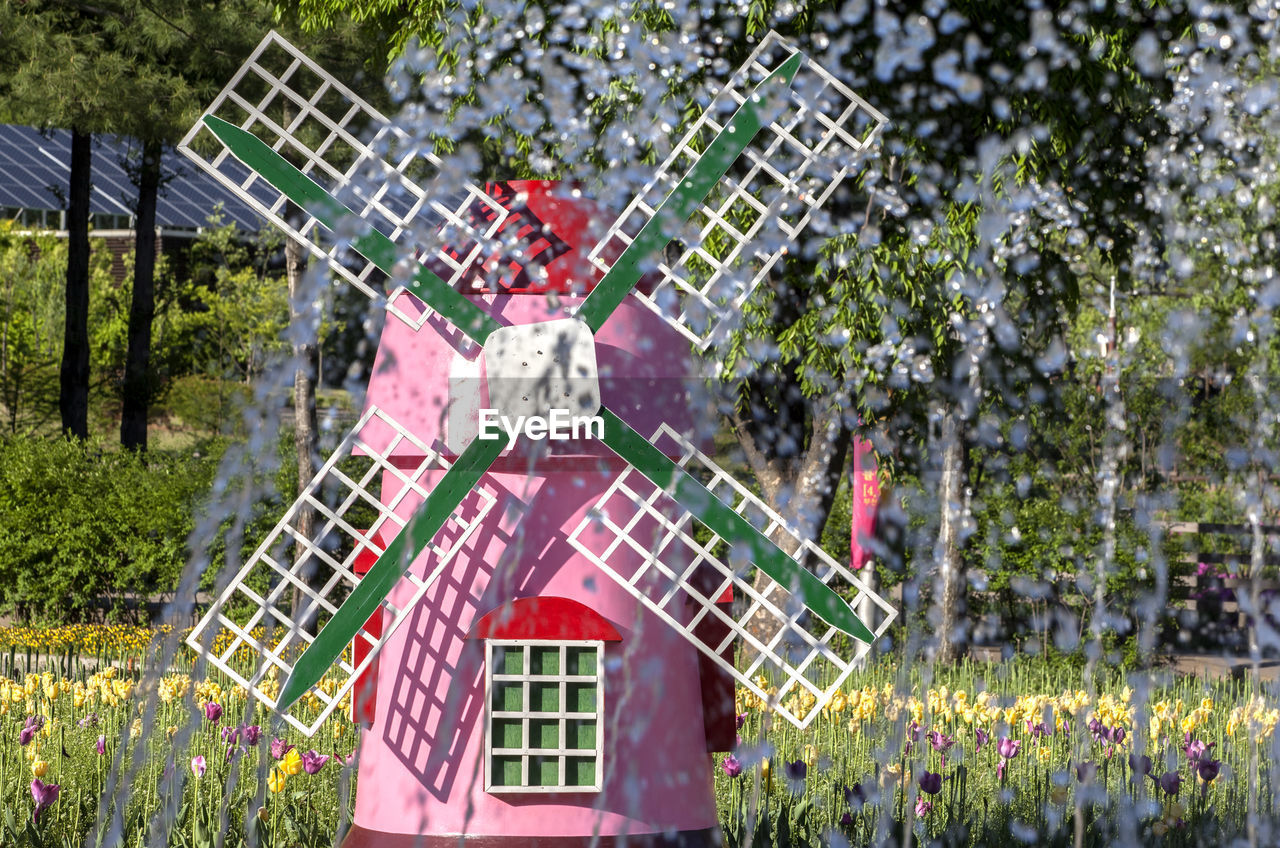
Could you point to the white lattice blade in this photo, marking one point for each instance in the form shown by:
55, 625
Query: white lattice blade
361, 500
803, 661
765, 201
347, 146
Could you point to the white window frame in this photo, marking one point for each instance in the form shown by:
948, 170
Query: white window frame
526, 715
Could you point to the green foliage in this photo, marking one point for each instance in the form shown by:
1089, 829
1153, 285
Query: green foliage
79, 523
228, 319
31, 280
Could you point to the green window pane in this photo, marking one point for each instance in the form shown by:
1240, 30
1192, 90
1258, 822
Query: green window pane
508, 659
579, 771
581, 661
545, 660
507, 733
580, 734
544, 771
544, 733
582, 697
506, 771
508, 697
544, 697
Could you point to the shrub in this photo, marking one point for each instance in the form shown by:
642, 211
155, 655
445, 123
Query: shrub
79, 523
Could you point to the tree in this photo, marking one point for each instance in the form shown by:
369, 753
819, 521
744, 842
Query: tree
927, 317
184, 53
62, 73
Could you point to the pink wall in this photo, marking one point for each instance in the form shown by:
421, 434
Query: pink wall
421, 762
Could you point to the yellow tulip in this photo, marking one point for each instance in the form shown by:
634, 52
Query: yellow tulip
276, 780
39, 768
292, 763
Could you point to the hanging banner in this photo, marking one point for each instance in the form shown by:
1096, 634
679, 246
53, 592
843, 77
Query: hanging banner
866, 497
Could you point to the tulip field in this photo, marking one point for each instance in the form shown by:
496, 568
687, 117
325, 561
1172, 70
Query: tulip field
94, 742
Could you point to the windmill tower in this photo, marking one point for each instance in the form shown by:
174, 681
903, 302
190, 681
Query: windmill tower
544, 630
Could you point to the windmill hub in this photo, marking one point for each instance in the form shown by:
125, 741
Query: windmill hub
533, 369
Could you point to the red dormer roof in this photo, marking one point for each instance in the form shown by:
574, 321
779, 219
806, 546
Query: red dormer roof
544, 618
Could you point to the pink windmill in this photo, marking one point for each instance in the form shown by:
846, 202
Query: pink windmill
549, 610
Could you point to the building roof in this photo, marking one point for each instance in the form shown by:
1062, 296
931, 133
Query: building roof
35, 166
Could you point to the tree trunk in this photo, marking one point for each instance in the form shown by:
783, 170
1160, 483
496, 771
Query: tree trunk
807, 484
137, 367
73, 395
306, 353
949, 591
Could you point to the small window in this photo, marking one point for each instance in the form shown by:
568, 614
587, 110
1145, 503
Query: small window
543, 716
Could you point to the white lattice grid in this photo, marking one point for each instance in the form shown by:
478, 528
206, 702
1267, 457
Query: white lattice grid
799, 657
347, 146
334, 544
787, 173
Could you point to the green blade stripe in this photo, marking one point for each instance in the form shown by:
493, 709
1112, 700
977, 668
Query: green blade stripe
363, 601
679, 205
374, 246
728, 525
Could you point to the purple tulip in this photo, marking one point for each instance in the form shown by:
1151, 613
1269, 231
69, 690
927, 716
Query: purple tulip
796, 772
44, 794
913, 736
1037, 730
930, 783
91, 720
846, 820
198, 767
213, 711
1197, 750
1140, 764
1085, 772
1116, 735
854, 793
252, 733
1097, 730
740, 720
941, 742
102, 745
1007, 749
313, 762
923, 807
1208, 769
1170, 782
982, 738
230, 735
25, 735
732, 767
279, 748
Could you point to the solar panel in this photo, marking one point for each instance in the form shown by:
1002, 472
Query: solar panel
31, 162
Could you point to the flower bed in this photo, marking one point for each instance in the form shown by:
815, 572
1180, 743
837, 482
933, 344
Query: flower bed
1005, 754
